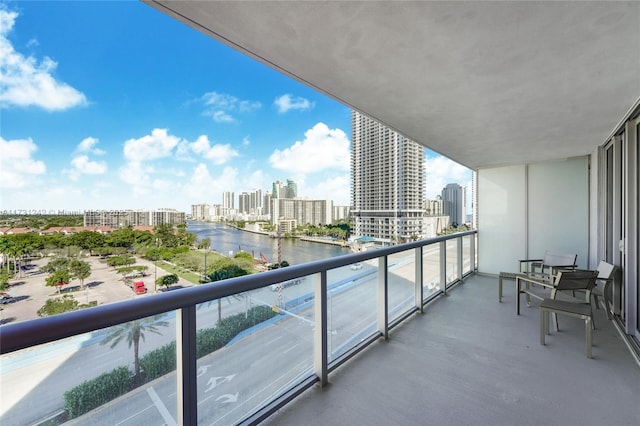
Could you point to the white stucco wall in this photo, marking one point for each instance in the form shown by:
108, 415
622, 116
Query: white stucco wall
526, 209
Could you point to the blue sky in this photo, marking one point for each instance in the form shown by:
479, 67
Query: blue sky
114, 105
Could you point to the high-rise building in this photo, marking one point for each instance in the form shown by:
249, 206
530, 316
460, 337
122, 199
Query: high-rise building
341, 212
433, 207
243, 203
255, 202
292, 189
228, 200
284, 190
266, 203
303, 211
200, 211
122, 218
279, 190
387, 182
454, 203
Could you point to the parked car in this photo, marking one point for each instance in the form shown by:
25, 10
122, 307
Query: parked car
356, 266
6, 298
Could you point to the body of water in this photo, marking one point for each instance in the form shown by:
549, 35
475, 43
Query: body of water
228, 240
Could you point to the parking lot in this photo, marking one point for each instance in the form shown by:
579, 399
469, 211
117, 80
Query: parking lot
104, 285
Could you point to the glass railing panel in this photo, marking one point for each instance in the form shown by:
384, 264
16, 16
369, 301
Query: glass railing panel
93, 378
452, 260
431, 270
262, 347
401, 283
466, 254
352, 300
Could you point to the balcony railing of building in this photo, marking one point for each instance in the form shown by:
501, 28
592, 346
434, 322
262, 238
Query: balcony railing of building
230, 352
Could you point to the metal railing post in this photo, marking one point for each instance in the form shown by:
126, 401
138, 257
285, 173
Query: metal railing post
320, 335
383, 301
419, 288
472, 253
460, 260
187, 386
443, 266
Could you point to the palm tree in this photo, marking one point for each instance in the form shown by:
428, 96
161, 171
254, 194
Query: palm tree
132, 332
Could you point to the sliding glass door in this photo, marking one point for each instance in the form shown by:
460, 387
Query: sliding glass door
621, 234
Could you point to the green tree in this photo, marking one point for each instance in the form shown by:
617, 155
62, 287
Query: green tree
167, 280
58, 305
205, 243
243, 255
4, 280
88, 240
80, 269
55, 265
132, 332
58, 278
122, 237
121, 260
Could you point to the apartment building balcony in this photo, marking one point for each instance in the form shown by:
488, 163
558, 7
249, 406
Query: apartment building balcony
406, 334
540, 99
470, 360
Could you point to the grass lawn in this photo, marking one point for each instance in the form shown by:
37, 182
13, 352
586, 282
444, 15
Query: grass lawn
192, 277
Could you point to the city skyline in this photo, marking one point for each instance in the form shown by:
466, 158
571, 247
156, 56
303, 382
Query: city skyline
109, 115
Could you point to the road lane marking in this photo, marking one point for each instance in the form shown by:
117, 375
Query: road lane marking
290, 348
161, 407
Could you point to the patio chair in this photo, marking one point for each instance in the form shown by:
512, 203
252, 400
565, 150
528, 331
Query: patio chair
606, 274
549, 264
576, 280
543, 268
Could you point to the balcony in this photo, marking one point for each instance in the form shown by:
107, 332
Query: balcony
469, 360
347, 339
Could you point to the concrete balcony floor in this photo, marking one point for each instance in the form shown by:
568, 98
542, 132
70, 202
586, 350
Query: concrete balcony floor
469, 360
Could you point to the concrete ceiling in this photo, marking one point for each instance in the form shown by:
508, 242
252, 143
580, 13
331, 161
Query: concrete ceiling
483, 83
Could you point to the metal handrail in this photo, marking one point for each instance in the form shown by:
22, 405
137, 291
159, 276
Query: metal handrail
21, 335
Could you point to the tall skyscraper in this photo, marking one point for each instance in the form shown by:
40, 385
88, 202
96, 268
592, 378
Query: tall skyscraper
255, 202
387, 182
266, 203
279, 190
227, 200
292, 189
284, 190
243, 203
454, 203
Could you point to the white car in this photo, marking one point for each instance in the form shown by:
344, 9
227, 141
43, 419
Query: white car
356, 266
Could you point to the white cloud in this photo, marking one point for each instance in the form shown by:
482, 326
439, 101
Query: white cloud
337, 188
158, 144
137, 176
321, 149
222, 117
217, 154
202, 187
248, 106
287, 102
221, 106
83, 166
441, 171
25, 82
88, 145
17, 166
